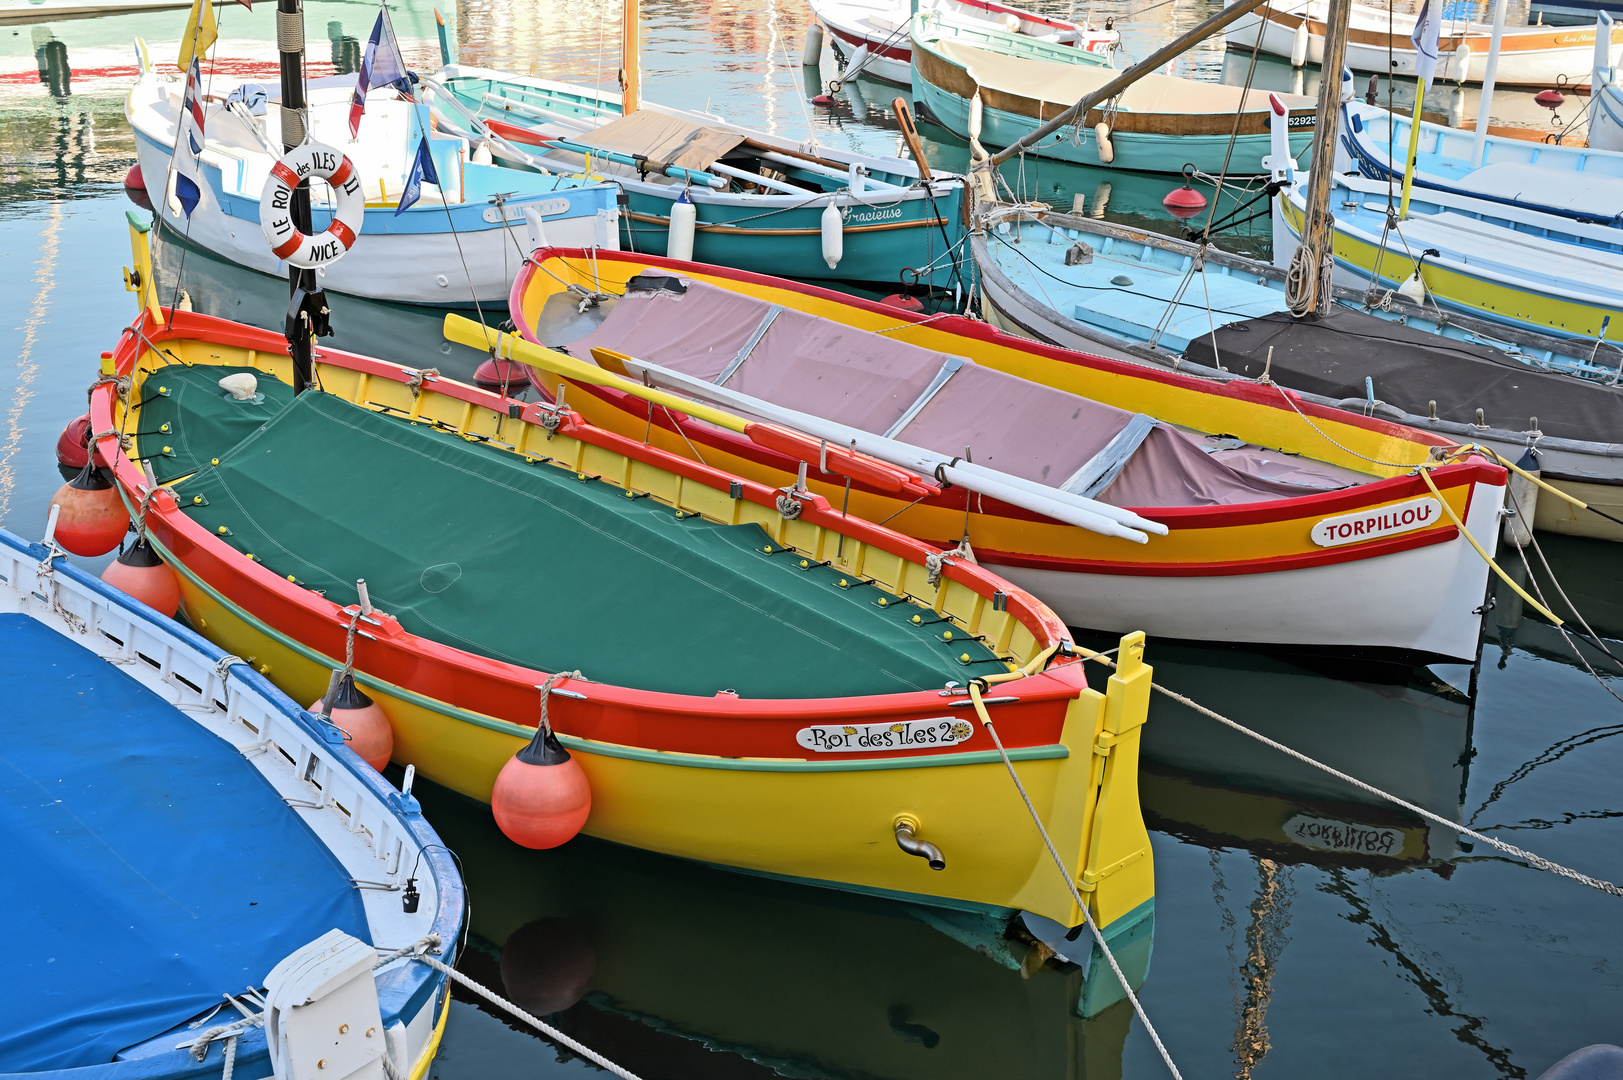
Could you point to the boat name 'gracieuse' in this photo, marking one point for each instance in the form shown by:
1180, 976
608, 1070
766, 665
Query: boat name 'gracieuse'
867, 738
1381, 521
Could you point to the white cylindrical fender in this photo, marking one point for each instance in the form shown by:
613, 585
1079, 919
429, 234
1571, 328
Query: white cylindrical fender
833, 235
276, 206
481, 154
1299, 45
535, 228
1107, 152
854, 68
1413, 288
1459, 62
975, 108
812, 54
684, 220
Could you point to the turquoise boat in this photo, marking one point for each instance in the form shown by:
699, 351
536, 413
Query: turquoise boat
761, 202
1161, 123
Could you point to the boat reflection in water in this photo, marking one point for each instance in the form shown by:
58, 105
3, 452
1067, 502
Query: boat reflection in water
408, 334
688, 971
1210, 786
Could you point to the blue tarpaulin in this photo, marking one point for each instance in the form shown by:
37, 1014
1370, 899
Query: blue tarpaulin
146, 868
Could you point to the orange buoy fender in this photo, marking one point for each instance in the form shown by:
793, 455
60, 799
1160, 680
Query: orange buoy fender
362, 719
542, 797
92, 518
143, 575
73, 447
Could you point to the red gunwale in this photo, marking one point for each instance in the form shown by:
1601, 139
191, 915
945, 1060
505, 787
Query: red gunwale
890, 52
720, 726
1472, 471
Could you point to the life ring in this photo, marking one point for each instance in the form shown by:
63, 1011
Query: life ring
276, 206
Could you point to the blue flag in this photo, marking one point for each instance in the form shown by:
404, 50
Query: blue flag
422, 169
381, 65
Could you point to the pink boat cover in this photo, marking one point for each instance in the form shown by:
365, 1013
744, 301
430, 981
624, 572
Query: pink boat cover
870, 381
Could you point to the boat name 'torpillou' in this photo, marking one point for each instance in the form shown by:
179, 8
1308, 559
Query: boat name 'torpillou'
870, 738
1381, 521
1327, 835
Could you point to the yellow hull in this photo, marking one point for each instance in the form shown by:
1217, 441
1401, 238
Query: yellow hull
825, 823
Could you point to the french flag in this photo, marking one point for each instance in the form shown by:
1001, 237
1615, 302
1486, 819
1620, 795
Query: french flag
382, 65
189, 142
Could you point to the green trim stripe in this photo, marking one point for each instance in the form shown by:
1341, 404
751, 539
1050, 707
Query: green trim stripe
614, 750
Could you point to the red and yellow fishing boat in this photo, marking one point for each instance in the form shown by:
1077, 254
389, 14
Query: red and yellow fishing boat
1259, 517
768, 684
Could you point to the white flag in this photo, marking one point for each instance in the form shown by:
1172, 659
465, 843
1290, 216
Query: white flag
1428, 26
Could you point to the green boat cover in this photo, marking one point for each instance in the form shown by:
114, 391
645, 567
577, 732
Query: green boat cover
472, 546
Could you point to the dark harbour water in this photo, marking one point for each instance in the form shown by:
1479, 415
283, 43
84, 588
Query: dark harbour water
1416, 956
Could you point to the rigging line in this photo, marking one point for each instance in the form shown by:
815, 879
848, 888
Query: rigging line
180, 271
1553, 753
1234, 133
1536, 861
445, 202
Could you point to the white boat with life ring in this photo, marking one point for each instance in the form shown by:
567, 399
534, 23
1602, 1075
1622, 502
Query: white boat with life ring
880, 27
459, 245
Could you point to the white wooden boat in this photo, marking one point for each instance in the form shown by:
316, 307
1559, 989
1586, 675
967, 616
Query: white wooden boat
1579, 182
1457, 375
1379, 41
459, 245
1606, 96
186, 846
880, 26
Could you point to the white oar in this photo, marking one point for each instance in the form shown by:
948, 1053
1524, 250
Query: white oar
1050, 502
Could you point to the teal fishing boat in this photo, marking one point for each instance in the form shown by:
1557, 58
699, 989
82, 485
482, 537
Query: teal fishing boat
998, 87
697, 187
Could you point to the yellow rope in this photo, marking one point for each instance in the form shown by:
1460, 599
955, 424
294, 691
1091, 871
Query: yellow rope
1425, 474
1524, 474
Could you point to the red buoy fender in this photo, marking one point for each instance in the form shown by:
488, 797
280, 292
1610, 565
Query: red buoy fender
140, 573
362, 719
492, 374
73, 447
542, 797
1184, 202
92, 517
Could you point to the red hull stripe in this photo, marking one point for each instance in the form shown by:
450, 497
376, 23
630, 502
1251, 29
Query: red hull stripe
285, 175
293, 244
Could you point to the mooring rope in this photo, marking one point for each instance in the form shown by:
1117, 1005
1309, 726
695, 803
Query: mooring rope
1076, 895
1536, 861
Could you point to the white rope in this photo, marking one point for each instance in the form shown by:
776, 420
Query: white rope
1538, 862
546, 1029
1099, 938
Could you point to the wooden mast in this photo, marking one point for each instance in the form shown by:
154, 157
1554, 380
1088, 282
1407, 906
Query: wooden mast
1309, 289
630, 58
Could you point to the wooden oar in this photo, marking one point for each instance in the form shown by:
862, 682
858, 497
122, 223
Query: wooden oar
904, 117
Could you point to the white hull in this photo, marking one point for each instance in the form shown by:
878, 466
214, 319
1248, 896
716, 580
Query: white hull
413, 258
882, 27
1426, 600
1518, 65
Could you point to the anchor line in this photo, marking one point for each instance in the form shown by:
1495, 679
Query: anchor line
1076, 895
1538, 862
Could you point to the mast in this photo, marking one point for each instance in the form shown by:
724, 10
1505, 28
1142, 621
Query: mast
1309, 290
630, 59
302, 287
1488, 77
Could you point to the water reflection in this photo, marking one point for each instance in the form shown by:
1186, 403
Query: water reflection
402, 333
688, 971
